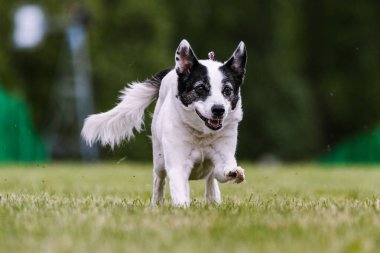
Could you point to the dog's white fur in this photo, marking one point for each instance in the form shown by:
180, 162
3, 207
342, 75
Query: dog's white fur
184, 148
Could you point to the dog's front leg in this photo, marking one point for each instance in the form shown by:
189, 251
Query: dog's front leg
179, 186
228, 171
178, 165
225, 165
212, 195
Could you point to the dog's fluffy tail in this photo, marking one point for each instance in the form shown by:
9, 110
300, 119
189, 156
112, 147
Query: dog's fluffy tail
112, 127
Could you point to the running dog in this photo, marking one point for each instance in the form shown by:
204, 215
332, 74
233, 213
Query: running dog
194, 127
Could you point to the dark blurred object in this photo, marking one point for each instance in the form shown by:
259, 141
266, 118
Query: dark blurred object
80, 15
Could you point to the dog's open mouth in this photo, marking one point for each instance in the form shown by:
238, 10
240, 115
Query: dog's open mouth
213, 124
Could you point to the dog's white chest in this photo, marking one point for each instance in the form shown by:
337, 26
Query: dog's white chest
201, 164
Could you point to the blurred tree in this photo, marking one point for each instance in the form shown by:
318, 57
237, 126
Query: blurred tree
285, 124
312, 77
342, 64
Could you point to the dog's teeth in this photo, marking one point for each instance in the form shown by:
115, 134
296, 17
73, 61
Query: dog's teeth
214, 122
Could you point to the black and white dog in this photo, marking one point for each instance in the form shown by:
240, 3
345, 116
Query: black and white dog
195, 123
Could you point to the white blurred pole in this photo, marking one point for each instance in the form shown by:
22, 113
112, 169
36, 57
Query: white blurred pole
76, 34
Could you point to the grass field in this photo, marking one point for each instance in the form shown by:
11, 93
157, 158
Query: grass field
105, 208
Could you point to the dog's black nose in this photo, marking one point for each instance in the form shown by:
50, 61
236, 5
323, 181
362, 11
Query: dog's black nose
217, 110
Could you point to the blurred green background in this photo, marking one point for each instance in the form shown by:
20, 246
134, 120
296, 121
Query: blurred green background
312, 86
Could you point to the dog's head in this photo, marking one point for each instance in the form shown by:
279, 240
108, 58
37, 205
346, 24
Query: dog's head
209, 89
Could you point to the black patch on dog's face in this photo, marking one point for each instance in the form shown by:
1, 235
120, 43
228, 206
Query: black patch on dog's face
194, 85
234, 71
231, 77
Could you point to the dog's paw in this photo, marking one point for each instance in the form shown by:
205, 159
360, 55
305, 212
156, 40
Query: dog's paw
236, 175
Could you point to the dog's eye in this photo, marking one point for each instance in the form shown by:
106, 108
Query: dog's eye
200, 89
227, 91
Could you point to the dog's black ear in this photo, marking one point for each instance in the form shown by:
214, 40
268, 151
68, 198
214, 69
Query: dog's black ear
185, 58
238, 60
